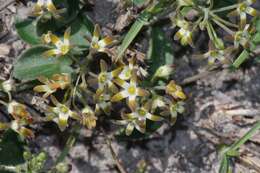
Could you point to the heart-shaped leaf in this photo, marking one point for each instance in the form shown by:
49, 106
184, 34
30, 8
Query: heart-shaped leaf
32, 64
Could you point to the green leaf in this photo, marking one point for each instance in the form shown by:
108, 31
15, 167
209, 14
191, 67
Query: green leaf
224, 166
80, 28
258, 24
241, 59
224, 3
26, 30
233, 149
72, 10
32, 64
160, 50
49, 23
11, 149
132, 33
246, 137
142, 20
256, 38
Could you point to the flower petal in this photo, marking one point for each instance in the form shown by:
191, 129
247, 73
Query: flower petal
242, 19
96, 33
55, 40
67, 36
50, 6
252, 11
103, 65
55, 101
105, 42
116, 72
132, 102
26, 132
51, 53
119, 96
63, 121
141, 126
129, 129
142, 92
121, 83
153, 117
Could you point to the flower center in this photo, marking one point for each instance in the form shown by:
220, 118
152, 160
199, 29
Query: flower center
64, 109
95, 45
242, 7
64, 49
128, 73
132, 90
142, 112
102, 77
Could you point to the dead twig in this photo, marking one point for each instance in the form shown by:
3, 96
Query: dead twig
115, 157
6, 4
196, 77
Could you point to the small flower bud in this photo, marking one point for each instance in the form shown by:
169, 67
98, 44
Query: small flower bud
62, 168
7, 85
27, 155
89, 119
163, 71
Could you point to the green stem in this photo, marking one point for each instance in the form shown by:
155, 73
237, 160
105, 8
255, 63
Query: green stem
196, 24
211, 36
225, 8
222, 20
246, 137
241, 58
224, 27
3, 103
8, 168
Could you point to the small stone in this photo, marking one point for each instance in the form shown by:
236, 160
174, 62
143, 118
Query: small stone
4, 49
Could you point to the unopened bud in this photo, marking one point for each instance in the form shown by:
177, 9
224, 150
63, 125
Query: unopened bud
163, 72
7, 85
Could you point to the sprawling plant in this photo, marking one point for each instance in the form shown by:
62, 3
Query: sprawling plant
86, 76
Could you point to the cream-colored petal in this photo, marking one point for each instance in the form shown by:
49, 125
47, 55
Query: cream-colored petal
96, 34
103, 66
153, 117
119, 96
129, 129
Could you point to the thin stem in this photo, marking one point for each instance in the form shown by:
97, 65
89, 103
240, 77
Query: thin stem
9, 96
209, 32
7, 168
224, 27
159, 87
197, 24
225, 8
3, 103
223, 21
115, 157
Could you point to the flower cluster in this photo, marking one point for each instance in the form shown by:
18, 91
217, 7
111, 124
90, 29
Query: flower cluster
101, 84
207, 18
